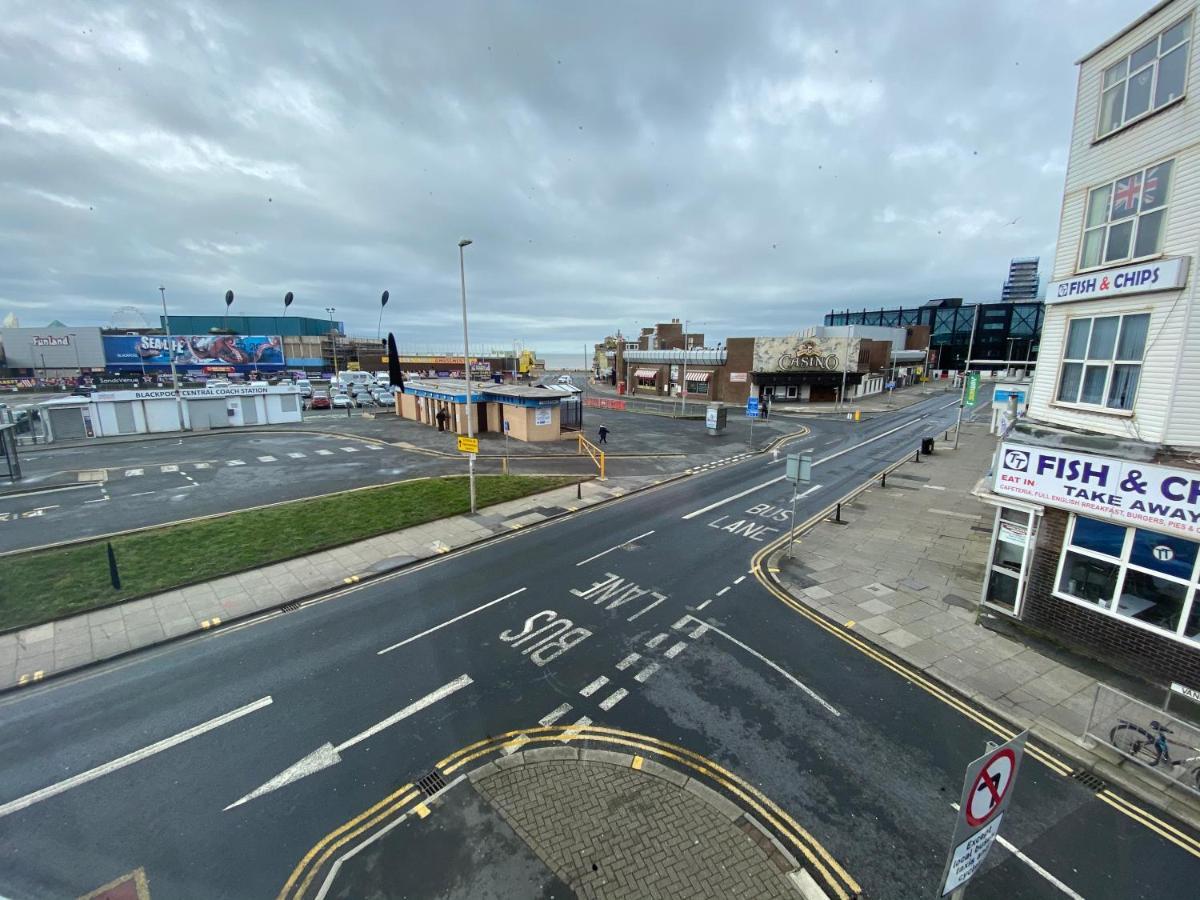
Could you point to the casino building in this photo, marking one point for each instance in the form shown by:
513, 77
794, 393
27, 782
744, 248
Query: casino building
1096, 538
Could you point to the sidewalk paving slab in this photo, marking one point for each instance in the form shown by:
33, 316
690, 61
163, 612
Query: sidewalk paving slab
933, 618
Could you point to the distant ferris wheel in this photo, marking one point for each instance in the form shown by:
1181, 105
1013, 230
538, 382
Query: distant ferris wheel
128, 318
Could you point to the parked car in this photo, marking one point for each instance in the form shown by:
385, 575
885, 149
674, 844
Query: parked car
342, 401
306, 388
319, 400
364, 398
385, 398
565, 379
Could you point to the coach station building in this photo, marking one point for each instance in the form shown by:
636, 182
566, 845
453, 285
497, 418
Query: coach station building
527, 413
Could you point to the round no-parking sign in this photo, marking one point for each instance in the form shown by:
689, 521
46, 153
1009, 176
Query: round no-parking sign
991, 785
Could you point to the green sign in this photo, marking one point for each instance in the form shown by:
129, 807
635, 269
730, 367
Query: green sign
971, 397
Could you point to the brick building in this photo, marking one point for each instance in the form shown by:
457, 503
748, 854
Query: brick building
1096, 542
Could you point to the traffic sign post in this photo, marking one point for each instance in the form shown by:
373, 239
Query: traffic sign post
799, 471
987, 791
468, 444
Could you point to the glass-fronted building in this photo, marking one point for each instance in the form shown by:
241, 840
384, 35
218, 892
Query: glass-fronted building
1007, 335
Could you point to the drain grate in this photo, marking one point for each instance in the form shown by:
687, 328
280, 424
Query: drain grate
1089, 780
432, 783
291, 607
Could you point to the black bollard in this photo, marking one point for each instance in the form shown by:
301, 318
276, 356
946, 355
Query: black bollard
113, 575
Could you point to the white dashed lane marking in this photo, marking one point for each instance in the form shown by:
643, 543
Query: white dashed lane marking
656, 640
590, 689
266, 459
235, 462
555, 714
613, 699
645, 674
297, 455
628, 661
325, 453
133, 473
203, 465
348, 449
675, 649
166, 469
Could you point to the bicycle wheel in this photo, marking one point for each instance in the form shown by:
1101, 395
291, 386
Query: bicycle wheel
1135, 741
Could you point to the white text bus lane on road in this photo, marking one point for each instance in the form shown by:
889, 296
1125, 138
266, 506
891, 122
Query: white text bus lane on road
758, 523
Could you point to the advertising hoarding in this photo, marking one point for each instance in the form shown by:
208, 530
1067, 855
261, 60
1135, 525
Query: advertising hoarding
243, 352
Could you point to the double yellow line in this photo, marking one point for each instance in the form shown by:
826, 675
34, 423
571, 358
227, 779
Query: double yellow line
761, 573
818, 858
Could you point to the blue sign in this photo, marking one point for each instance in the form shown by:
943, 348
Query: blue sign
240, 352
1001, 395
891, 385
752, 408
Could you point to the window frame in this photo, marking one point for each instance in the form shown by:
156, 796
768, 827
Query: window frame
1191, 584
1158, 57
1164, 208
1110, 364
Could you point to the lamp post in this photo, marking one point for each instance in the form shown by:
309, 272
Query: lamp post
462, 275
78, 364
287, 301
962, 400
333, 338
171, 356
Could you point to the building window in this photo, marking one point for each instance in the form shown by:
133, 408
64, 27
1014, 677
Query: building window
1124, 218
1149, 78
1134, 574
1102, 360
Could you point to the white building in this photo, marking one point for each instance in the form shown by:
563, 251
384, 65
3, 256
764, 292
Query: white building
108, 413
1097, 524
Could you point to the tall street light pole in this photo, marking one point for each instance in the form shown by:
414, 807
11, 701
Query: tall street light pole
78, 364
962, 400
462, 275
162, 291
287, 301
333, 338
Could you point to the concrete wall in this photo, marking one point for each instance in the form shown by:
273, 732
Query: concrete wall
521, 423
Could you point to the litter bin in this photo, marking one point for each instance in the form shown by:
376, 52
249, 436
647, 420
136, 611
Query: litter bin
927, 446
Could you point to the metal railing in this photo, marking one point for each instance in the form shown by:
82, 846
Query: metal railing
1147, 735
596, 454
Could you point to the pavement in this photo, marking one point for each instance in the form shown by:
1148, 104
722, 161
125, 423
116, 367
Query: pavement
254, 759
561, 822
915, 592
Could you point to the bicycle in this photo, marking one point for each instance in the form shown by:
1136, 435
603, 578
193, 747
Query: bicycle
1150, 749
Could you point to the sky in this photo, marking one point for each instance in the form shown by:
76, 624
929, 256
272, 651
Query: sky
747, 166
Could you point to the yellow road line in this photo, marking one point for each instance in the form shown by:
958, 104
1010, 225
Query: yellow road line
317, 847
1144, 817
704, 765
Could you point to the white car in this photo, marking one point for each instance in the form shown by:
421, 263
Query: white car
565, 379
342, 401
305, 386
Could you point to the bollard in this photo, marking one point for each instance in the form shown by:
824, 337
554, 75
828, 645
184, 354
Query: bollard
883, 480
114, 574
917, 457
837, 514
579, 490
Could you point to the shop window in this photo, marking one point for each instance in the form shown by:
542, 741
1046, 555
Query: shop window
1134, 574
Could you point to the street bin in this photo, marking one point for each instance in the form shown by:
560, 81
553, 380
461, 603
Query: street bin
620, 387
927, 446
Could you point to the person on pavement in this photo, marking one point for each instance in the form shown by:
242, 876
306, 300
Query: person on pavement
442, 419
603, 434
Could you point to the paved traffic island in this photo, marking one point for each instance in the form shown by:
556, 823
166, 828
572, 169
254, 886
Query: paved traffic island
563, 822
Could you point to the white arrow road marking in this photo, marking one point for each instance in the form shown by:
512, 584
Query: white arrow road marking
327, 755
788, 675
130, 758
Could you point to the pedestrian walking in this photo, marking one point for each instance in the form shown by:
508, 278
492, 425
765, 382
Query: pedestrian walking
442, 419
603, 434
766, 405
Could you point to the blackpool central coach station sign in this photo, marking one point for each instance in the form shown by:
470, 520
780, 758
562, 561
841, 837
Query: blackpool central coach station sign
1130, 492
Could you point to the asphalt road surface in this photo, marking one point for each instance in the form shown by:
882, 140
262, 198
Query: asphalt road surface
160, 481
142, 763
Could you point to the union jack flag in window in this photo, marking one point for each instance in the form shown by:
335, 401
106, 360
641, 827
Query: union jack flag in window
1125, 196
1154, 186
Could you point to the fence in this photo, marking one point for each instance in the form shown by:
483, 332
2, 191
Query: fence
1147, 735
669, 408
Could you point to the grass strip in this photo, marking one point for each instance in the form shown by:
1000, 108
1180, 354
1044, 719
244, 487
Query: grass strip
43, 585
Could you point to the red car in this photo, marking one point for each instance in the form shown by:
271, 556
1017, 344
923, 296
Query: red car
319, 400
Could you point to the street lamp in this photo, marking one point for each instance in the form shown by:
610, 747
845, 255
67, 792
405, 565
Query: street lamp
333, 338
171, 356
78, 364
287, 301
462, 275
683, 388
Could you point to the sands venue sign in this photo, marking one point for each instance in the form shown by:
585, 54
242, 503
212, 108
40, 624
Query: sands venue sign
1132, 493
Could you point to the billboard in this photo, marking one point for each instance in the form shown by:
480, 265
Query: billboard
241, 352
803, 354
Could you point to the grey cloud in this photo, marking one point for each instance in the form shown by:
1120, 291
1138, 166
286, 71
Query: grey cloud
747, 165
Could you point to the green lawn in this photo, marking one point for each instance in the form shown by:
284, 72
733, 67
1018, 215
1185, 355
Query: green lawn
48, 584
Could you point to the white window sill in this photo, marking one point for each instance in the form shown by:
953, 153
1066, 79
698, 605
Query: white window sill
1096, 410
1126, 620
1119, 264
1125, 126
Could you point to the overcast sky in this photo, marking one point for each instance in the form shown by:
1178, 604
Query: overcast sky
748, 165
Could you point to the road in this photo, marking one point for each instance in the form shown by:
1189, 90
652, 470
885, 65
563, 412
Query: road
371, 687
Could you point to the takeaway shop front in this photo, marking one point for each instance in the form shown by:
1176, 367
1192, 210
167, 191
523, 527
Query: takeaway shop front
1101, 553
